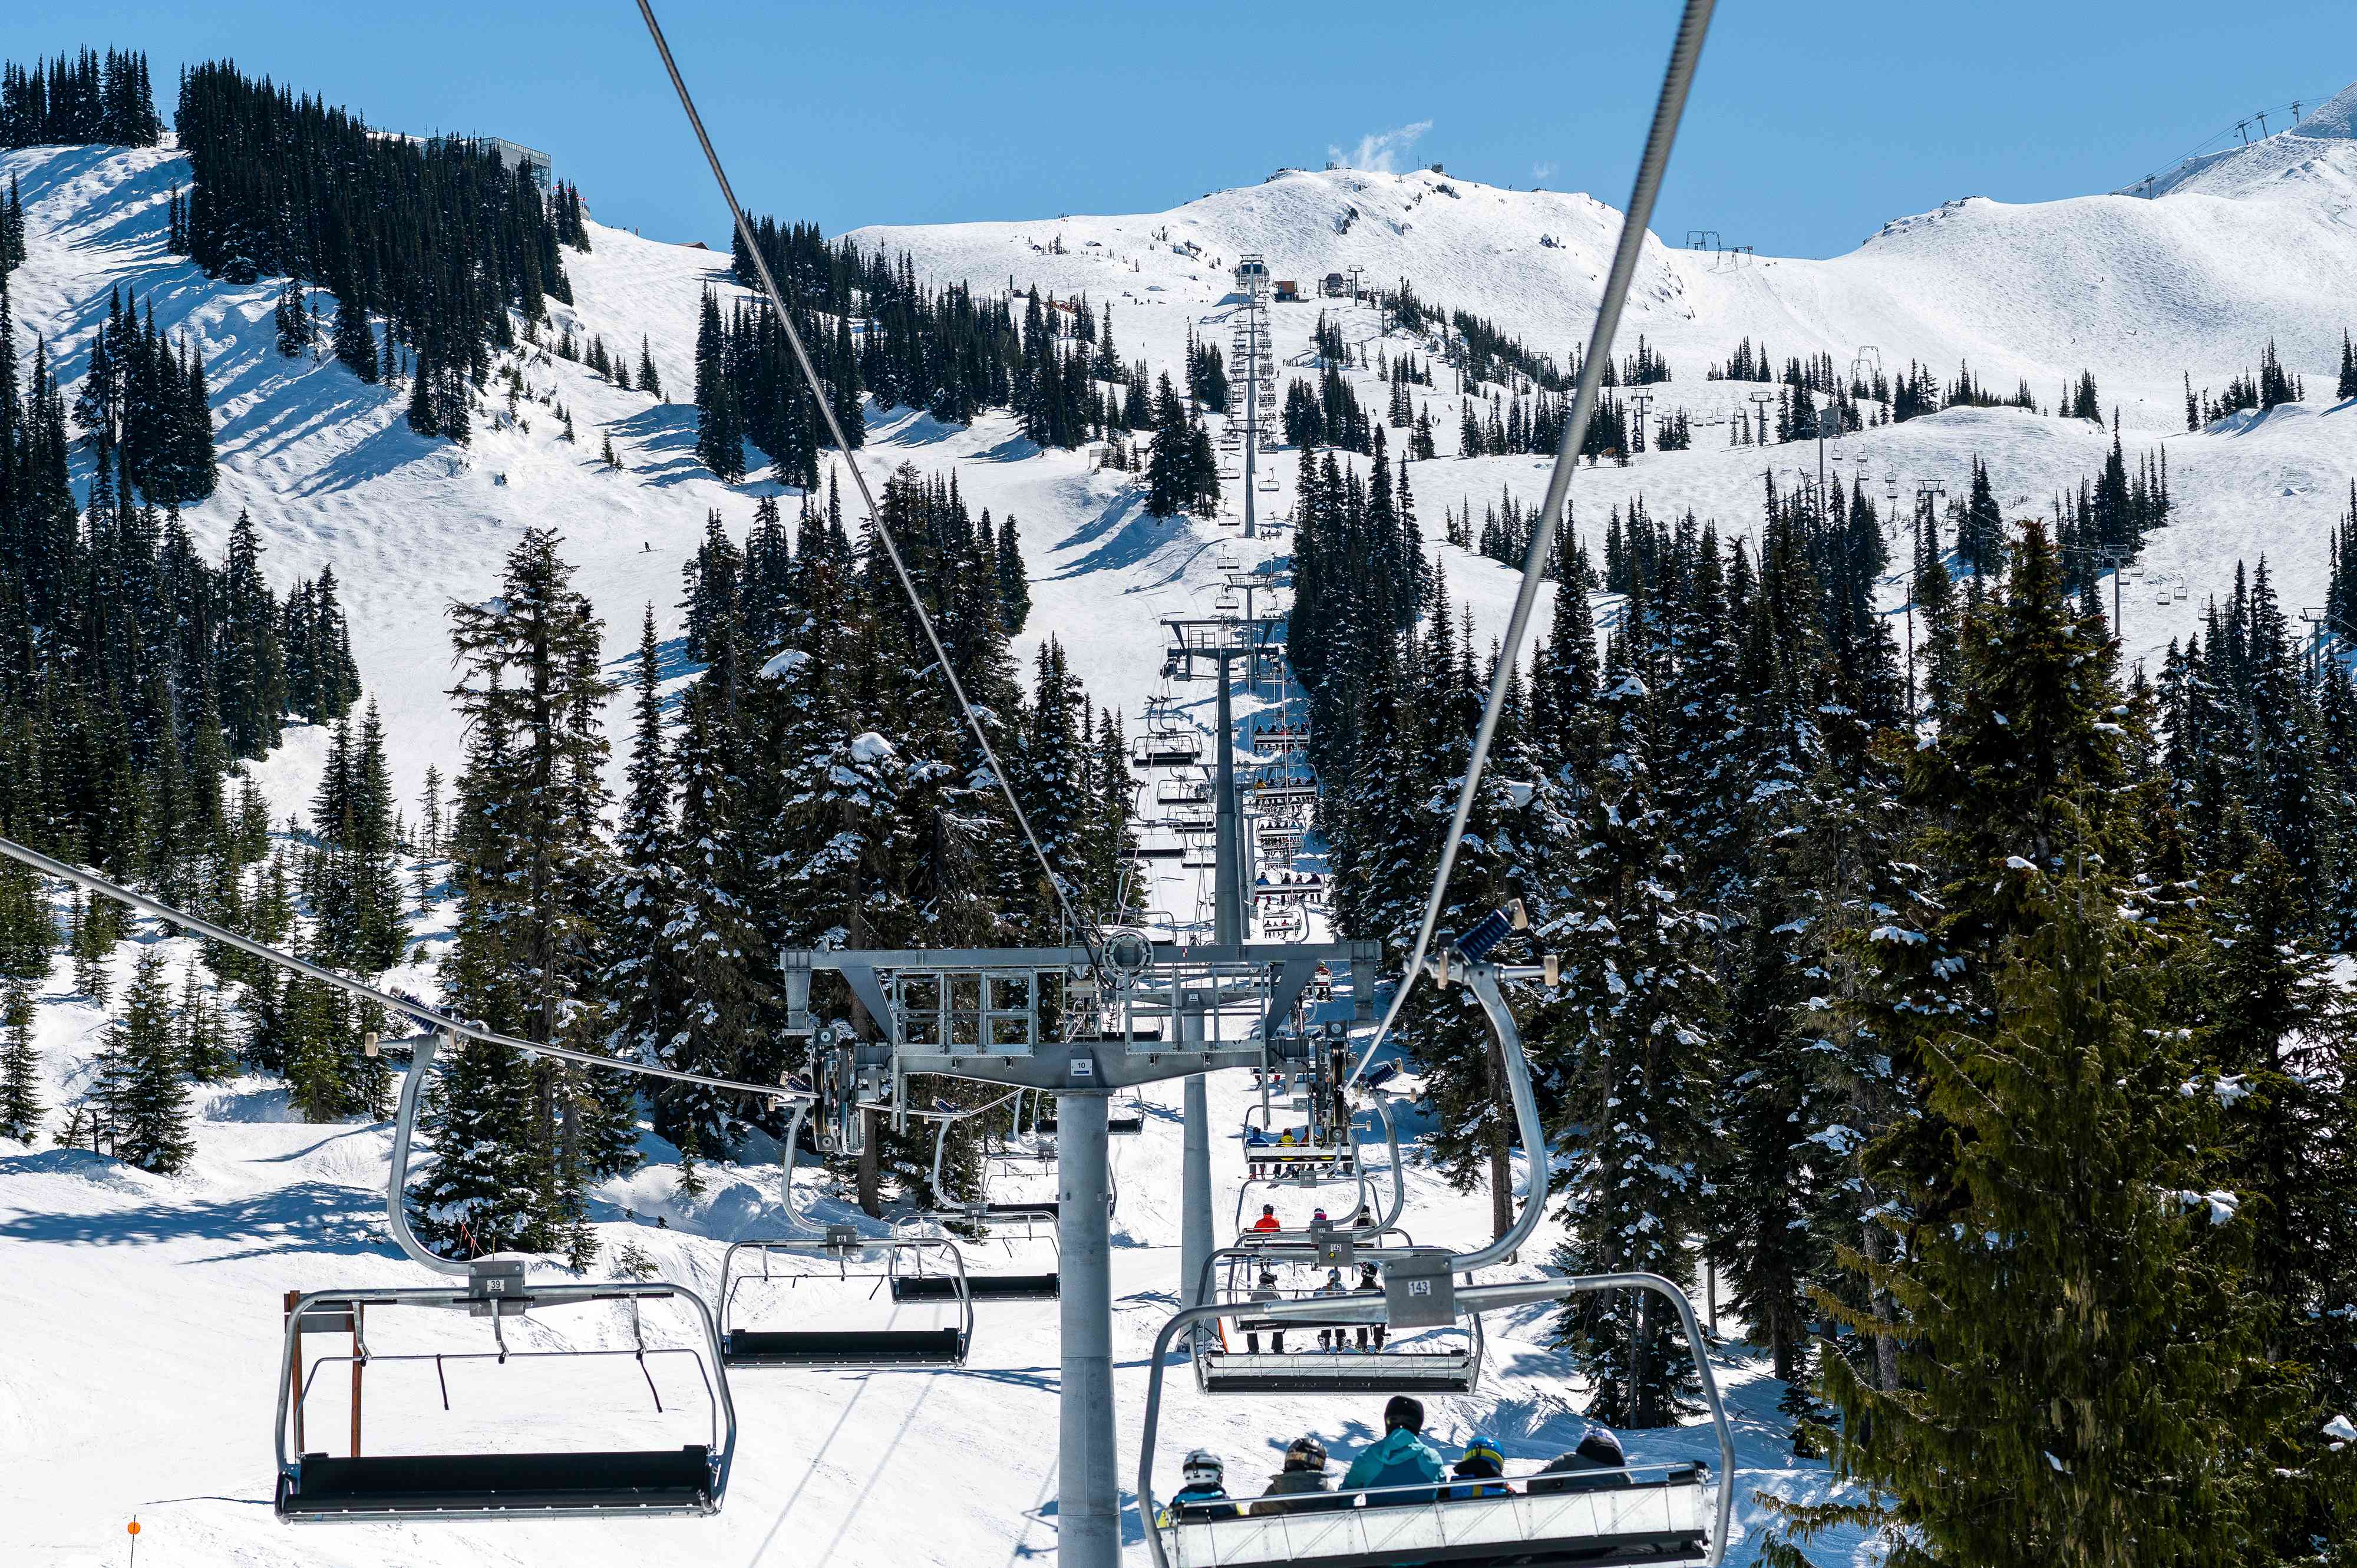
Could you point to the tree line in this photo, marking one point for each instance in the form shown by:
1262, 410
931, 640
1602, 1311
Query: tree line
1983, 1040
810, 787
84, 97
434, 237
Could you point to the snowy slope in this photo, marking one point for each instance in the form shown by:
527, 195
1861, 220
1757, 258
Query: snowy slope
150, 1308
2320, 149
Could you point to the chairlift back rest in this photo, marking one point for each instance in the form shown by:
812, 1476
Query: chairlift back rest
651, 1482
846, 1347
980, 1287
1657, 1519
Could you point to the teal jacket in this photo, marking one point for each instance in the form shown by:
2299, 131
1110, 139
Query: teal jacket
1400, 1459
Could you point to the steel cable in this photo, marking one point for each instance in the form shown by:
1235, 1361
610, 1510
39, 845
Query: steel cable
743, 223
1671, 108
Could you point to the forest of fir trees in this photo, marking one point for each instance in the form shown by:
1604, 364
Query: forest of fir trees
810, 787
1998, 1073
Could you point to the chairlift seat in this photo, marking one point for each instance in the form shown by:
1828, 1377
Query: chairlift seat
983, 1287
1652, 1515
862, 1347
1045, 1209
1337, 1371
656, 1481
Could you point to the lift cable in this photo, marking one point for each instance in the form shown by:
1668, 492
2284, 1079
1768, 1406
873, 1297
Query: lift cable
429, 1017
1668, 113
744, 223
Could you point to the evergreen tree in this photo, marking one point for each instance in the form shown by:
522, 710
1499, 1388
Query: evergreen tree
1633, 1025
147, 1099
519, 1140
20, 1065
28, 937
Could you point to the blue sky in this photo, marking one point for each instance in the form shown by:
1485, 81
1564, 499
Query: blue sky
1812, 122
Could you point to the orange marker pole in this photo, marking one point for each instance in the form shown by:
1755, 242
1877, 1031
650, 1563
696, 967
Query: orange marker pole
133, 1529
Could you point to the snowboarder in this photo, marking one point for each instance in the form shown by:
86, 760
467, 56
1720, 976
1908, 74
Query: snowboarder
1369, 1283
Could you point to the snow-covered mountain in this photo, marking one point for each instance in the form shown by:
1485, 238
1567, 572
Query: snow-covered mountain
145, 1312
2293, 163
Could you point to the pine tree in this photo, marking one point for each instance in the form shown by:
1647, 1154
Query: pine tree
649, 379
643, 993
355, 340
28, 937
521, 1140
1632, 1029
2077, 1332
20, 1065
147, 1099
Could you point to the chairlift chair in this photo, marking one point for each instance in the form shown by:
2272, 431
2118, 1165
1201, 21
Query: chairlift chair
938, 1288
878, 1258
1444, 1362
1638, 1514
316, 1487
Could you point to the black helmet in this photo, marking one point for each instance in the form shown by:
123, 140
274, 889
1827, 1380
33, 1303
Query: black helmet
1306, 1454
1268, 1209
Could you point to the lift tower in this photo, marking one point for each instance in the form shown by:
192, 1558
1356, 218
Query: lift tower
1220, 643
1251, 372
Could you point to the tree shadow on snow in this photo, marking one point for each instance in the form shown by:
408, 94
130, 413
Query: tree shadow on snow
1123, 535
309, 1216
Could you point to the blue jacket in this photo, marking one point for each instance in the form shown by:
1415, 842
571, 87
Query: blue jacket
1400, 1459
1202, 1503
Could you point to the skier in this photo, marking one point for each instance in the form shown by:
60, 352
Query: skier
1370, 1284
1267, 1291
1331, 1338
1302, 1486
1205, 1495
1599, 1449
1483, 1468
1267, 1220
1402, 1468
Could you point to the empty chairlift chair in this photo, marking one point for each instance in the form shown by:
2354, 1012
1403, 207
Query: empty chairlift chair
984, 1287
313, 1485
879, 1260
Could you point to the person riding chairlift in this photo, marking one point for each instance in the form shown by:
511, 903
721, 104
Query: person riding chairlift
1369, 1283
1331, 1338
1482, 1468
1397, 1470
1302, 1486
1266, 1291
1587, 1465
1267, 1220
1205, 1495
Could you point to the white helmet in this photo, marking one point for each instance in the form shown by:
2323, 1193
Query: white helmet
1203, 1468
